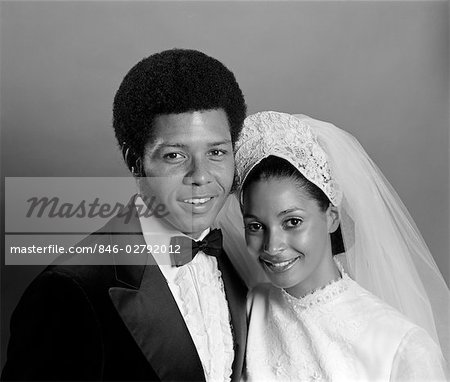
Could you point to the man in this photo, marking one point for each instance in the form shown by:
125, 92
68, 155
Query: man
176, 316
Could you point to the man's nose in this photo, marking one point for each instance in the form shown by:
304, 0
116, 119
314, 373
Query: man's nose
199, 172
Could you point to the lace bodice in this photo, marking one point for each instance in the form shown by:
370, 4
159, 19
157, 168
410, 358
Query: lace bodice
338, 333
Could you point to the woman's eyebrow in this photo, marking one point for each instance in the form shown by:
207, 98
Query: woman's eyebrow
289, 210
249, 216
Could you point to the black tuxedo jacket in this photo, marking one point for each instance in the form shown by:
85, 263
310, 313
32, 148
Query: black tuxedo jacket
111, 322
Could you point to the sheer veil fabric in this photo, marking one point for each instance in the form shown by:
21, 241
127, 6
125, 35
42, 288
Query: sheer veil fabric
385, 252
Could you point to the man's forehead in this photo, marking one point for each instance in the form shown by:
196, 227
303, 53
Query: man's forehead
207, 119
190, 128
194, 115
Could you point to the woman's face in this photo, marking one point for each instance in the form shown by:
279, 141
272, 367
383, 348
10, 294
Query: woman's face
289, 233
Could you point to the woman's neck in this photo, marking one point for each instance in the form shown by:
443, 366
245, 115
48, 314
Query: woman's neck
325, 274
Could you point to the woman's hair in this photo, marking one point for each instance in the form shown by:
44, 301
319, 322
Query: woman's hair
278, 168
172, 82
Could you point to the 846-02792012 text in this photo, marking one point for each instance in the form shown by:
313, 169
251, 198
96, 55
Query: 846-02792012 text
96, 248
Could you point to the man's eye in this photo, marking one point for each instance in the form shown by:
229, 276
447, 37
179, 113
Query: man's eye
293, 222
217, 152
172, 156
253, 227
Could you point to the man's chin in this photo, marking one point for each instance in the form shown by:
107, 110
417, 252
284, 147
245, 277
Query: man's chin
194, 223
191, 225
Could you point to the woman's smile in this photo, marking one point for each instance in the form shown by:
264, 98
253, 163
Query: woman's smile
279, 266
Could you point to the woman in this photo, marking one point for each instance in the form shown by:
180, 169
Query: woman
308, 191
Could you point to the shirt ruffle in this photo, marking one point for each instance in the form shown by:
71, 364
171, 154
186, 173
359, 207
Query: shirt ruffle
205, 310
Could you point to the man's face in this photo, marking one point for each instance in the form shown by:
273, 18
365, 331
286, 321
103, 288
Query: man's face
190, 167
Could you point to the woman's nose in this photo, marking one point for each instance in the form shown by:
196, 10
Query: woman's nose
274, 243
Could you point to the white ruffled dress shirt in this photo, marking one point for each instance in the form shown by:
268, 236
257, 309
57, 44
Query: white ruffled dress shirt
198, 290
338, 333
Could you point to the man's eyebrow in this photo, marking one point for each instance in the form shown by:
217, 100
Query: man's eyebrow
173, 144
160, 145
218, 143
182, 145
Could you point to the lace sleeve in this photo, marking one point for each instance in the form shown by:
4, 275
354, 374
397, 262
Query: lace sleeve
418, 358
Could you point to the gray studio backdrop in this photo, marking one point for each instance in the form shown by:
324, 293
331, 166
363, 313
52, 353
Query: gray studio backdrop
376, 69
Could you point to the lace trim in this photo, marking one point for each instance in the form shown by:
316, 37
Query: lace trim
322, 295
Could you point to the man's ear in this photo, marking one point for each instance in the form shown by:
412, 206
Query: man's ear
333, 219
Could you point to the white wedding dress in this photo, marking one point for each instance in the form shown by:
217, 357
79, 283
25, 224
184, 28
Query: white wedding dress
338, 333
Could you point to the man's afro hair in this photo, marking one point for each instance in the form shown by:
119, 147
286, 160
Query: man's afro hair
171, 82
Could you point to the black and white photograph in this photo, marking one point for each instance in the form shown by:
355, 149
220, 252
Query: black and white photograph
221, 191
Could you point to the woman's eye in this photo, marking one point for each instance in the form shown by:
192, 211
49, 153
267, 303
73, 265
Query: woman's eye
253, 227
293, 222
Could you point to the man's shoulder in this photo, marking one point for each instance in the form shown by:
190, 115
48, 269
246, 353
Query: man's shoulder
88, 263
87, 269
94, 259
87, 280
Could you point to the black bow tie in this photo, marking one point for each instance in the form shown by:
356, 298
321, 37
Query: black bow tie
188, 248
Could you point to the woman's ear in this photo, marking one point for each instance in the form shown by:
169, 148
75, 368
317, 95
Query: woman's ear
333, 219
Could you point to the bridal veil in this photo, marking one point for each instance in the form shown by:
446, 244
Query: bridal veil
385, 252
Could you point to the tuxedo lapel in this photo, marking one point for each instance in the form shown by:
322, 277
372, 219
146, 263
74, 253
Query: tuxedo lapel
152, 317
150, 312
235, 292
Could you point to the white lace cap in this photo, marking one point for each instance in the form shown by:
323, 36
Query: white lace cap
285, 136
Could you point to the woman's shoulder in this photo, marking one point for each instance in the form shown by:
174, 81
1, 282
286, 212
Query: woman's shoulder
418, 357
379, 316
377, 325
